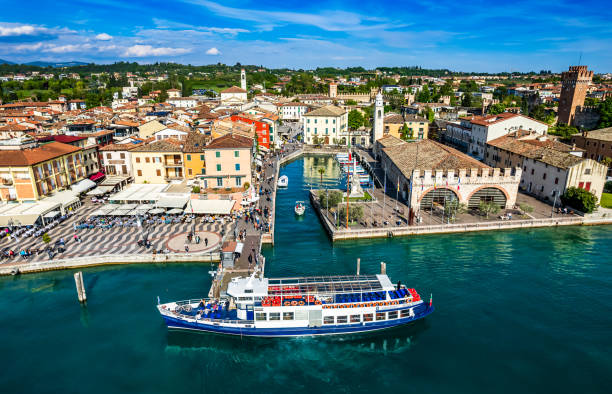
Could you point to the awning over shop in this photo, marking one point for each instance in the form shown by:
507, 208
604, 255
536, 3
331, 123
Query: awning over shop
211, 207
100, 190
175, 211
172, 202
97, 176
141, 192
66, 197
83, 185
25, 214
157, 211
51, 215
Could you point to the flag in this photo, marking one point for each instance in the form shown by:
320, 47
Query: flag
398, 184
422, 186
447, 183
430, 300
458, 182
435, 183
410, 185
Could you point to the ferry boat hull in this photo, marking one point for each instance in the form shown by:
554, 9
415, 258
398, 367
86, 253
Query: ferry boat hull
250, 331
304, 306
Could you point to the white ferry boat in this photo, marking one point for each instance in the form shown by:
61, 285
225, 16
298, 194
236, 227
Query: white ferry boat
304, 306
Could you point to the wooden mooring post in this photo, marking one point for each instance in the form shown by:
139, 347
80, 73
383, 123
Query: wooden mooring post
358, 265
383, 268
78, 280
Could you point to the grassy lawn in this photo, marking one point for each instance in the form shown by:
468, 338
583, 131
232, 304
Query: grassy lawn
606, 200
366, 197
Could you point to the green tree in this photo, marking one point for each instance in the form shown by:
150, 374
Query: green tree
467, 100
350, 102
355, 119
580, 199
335, 198
605, 113
488, 207
46, 238
563, 131
454, 208
497, 108
321, 171
405, 132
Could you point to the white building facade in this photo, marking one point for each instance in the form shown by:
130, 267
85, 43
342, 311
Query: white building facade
327, 125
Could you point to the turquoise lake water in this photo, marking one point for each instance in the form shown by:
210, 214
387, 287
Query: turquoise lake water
517, 311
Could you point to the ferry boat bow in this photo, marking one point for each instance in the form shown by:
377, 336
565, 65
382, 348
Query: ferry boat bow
304, 306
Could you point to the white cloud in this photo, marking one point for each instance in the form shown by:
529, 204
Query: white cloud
67, 48
104, 37
28, 47
148, 50
23, 30
213, 51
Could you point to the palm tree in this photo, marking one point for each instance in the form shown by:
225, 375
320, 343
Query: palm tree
321, 172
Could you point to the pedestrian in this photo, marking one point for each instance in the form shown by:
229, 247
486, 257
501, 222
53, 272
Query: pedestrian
206, 241
186, 248
250, 258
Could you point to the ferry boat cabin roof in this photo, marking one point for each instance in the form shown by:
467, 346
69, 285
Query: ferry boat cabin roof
313, 285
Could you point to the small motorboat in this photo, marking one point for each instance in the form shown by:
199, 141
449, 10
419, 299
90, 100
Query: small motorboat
283, 181
299, 208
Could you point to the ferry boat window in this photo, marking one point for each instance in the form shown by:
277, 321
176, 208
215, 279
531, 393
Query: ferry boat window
328, 320
405, 313
245, 298
355, 318
380, 316
393, 315
274, 315
368, 317
260, 316
287, 315
247, 291
341, 319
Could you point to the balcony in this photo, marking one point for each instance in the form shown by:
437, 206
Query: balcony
173, 178
173, 163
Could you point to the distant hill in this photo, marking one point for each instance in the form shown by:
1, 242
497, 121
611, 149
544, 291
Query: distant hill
56, 65
2, 61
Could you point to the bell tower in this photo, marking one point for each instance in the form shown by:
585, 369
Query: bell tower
243, 79
379, 114
574, 85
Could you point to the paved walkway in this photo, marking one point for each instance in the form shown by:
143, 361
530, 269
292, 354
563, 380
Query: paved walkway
117, 240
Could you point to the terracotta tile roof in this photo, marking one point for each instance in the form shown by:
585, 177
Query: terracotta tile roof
120, 147
428, 155
165, 145
234, 89
16, 127
231, 141
195, 142
328, 110
544, 154
600, 134
32, 156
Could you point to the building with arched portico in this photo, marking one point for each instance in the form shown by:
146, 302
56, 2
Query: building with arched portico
426, 173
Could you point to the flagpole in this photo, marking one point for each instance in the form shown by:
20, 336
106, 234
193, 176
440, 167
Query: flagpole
384, 197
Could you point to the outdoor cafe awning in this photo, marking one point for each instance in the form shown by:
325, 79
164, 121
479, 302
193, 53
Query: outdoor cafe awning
83, 185
211, 207
100, 190
175, 211
51, 215
172, 202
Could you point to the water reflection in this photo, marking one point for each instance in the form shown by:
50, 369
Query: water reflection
330, 177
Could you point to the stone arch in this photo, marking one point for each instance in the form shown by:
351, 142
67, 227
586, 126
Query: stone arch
437, 195
506, 197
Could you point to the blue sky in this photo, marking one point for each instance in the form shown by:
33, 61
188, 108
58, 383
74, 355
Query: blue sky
470, 35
